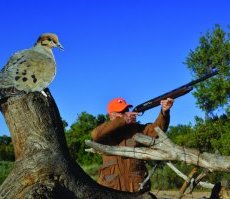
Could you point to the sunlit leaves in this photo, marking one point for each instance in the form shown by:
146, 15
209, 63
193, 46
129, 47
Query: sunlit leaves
213, 53
78, 133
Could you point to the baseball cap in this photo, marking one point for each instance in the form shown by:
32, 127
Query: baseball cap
117, 105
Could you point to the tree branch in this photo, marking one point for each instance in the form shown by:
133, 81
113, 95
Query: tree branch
164, 149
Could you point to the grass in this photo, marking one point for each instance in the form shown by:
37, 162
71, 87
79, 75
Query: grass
5, 168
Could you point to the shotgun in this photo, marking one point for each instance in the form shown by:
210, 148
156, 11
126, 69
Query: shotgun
182, 90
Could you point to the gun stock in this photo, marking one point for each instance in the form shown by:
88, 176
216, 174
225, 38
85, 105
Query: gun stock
141, 108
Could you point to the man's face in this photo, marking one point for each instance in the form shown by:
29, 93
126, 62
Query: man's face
129, 117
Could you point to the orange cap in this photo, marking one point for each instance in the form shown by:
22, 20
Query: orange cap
117, 105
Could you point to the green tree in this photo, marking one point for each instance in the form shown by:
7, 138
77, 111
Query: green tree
182, 135
207, 135
210, 135
6, 148
213, 52
78, 133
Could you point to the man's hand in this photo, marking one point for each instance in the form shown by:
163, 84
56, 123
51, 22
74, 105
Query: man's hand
166, 104
129, 117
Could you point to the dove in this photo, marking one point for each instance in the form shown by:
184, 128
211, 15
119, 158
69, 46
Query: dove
30, 70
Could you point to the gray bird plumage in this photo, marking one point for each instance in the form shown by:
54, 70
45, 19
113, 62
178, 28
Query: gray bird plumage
30, 70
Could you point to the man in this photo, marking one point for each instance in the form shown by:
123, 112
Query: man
121, 173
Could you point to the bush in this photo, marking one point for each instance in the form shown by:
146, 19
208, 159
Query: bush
91, 170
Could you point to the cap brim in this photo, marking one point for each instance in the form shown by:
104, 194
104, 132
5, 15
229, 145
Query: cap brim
127, 106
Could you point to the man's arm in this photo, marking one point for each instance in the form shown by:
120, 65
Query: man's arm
106, 129
162, 120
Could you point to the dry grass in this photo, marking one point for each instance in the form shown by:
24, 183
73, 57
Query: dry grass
173, 195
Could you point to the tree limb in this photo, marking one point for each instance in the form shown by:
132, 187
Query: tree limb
164, 149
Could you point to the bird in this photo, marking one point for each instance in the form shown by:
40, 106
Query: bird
30, 70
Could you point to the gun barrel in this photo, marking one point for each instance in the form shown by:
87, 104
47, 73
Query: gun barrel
156, 101
202, 78
182, 90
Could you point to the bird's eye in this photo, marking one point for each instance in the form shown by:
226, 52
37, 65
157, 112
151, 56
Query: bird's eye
49, 39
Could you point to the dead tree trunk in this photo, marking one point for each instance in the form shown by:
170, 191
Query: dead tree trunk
43, 166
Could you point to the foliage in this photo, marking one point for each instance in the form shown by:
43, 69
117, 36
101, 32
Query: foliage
78, 133
213, 52
5, 168
213, 135
210, 135
91, 170
181, 134
164, 178
6, 148
206, 135
65, 124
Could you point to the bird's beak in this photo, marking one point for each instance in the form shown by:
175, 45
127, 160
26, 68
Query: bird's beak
60, 46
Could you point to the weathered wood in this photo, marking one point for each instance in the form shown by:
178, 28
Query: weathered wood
186, 183
43, 166
197, 180
178, 172
164, 149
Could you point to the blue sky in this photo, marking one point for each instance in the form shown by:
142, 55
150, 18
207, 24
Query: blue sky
133, 49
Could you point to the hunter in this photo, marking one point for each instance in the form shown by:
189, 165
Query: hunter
122, 173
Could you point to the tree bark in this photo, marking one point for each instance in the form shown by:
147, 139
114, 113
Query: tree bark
43, 167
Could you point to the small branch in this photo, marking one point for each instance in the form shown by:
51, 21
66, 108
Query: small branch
186, 183
148, 177
177, 171
183, 176
198, 179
